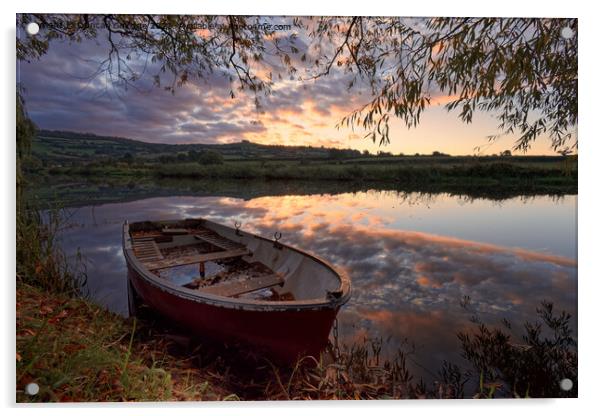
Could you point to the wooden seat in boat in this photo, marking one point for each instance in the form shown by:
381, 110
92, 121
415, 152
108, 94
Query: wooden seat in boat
196, 258
146, 249
174, 231
230, 289
217, 240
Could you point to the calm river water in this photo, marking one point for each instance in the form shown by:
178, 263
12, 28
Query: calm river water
412, 258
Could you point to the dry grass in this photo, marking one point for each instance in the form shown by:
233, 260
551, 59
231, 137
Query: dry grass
77, 351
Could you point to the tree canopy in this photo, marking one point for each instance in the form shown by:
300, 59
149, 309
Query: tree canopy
522, 70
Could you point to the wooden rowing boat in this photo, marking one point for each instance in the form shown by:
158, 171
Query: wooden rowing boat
234, 286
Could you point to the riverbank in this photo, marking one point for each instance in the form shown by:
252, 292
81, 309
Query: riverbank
76, 351
469, 178
76, 191
491, 180
403, 171
545, 174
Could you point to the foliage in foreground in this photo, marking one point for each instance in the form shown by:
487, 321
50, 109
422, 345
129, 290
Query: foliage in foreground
534, 368
40, 259
500, 368
77, 351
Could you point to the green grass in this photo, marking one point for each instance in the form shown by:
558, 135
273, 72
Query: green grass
514, 174
495, 179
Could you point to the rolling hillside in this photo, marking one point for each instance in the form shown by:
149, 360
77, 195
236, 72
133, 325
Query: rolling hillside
65, 148
62, 147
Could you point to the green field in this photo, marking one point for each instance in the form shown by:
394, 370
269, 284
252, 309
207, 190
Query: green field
74, 155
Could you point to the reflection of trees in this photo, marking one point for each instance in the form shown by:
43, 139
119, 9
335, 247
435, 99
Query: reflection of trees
426, 199
85, 190
528, 199
412, 199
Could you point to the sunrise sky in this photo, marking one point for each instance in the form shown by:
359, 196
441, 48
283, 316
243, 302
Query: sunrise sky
62, 93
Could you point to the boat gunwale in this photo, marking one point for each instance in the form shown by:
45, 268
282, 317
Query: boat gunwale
238, 303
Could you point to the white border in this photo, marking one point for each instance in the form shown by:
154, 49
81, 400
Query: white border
589, 201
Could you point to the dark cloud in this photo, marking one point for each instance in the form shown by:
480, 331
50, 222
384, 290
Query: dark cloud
70, 89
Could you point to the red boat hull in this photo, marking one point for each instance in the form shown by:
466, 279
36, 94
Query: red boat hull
282, 335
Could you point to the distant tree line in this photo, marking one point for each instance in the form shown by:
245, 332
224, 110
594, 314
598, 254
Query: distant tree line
203, 157
343, 153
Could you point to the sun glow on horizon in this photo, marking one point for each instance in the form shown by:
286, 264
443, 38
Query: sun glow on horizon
295, 113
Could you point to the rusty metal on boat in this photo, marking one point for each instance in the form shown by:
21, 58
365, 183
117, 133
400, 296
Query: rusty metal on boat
231, 285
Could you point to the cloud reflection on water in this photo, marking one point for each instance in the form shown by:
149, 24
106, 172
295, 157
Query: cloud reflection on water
406, 284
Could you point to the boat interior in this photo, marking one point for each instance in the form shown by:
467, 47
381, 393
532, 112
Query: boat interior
223, 261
